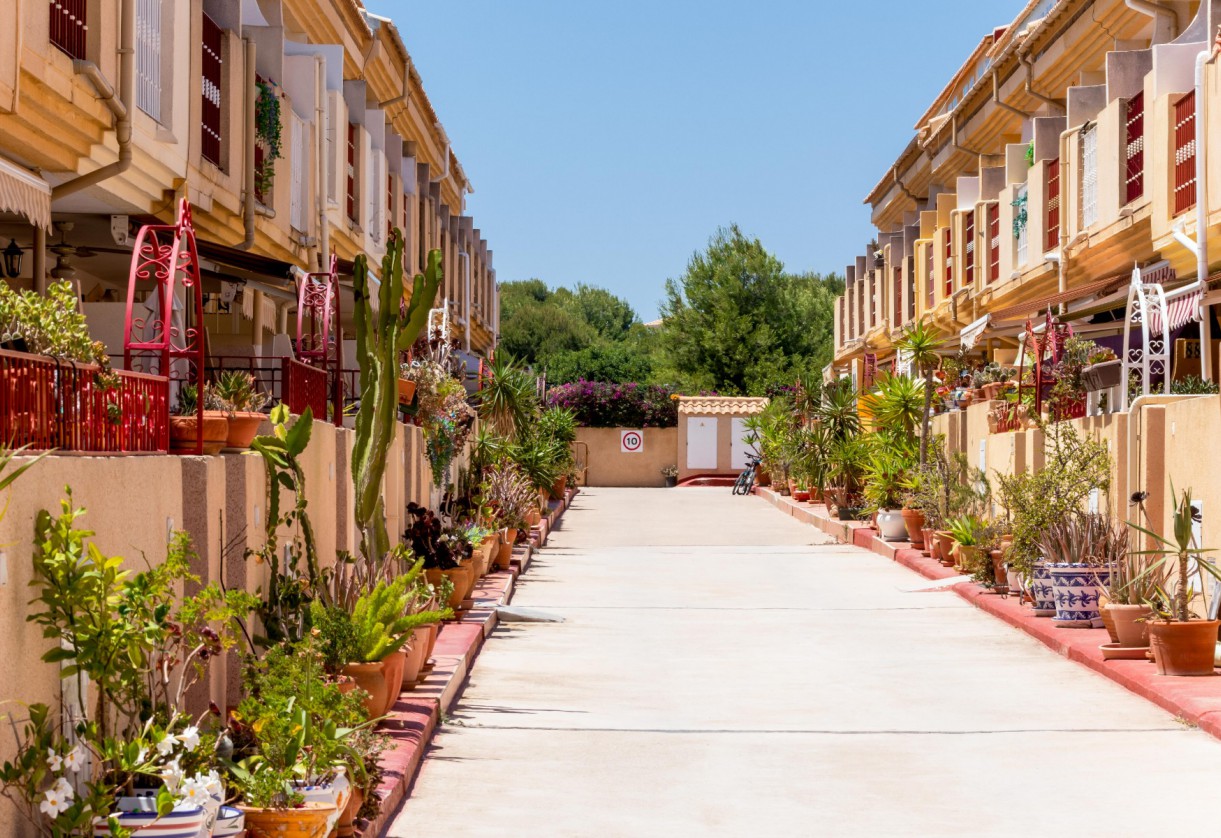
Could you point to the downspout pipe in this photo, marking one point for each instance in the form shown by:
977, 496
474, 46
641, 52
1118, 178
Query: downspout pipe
1155, 11
324, 228
996, 98
1203, 58
248, 208
1028, 63
120, 105
441, 177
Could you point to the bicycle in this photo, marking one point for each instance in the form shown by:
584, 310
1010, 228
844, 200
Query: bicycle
746, 480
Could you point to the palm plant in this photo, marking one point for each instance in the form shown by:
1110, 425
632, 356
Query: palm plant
887, 475
847, 460
920, 346
897, 404
508, 400
838, 410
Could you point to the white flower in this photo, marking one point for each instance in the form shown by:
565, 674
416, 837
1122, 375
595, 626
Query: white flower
74, 760
172, 775
53, 804
213, 786
194, 791
54, 760
64, 789
166, 746
189, 738
143, 755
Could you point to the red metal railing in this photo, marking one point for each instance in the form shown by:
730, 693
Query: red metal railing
211, 92
304, 386
969, 251
70, 26
994, 243
1134, 148
50, 403
1185, 153
1053, 204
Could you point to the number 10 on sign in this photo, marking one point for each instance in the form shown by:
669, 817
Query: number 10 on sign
631, 442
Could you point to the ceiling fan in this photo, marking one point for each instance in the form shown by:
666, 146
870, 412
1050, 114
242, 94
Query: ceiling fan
65, 252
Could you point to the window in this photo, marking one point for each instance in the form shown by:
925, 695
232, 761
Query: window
1053, 204
1089, 177
969, 250
1023, 238
69, 26
299, 148
211, 92
994, 242
929, 275
1185, 153
148, 57
949, 261
351, 172
389, 206
1134, 149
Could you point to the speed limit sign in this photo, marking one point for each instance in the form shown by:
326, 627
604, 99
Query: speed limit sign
631, 442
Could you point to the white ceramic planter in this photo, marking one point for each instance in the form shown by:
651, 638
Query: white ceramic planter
890, 525
180, 823
336, 793
230, 823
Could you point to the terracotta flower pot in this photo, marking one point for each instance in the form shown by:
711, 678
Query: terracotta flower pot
406, 391
999, 577
413, 663
395, 663
1108, 619
215, 432
370, 677
930, 543
243, 427
347, 821
559, 486
1130, 626
504, 556
433, 631
1184, 648
945, 543
801, 495
308, 821
913, 519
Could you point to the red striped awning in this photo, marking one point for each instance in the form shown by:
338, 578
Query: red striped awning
1179, 311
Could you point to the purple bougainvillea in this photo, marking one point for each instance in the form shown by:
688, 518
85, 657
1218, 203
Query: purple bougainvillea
600, 405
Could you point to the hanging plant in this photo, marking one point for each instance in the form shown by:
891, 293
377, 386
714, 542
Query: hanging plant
1030, 153
267, 134
1019, 216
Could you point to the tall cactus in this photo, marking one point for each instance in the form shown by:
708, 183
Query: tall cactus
380, 337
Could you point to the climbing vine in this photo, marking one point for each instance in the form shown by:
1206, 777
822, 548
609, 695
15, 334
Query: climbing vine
268, 133
1019, 216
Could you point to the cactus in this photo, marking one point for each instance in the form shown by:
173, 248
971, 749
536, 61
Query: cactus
380, 337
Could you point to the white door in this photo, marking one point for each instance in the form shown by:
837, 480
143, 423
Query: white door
741, 447
701, 443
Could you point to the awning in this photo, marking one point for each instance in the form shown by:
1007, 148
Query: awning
972, 332
1030, 307
243, 261
25, 194
1179, 312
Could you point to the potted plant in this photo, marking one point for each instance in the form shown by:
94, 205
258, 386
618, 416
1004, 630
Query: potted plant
1181, 643
847, 461
1079, 551
967, 533
885, 480
243, 404
185, 418
670, 473
1127, 596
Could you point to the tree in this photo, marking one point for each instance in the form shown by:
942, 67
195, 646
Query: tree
737, 323
921, 345
613, 363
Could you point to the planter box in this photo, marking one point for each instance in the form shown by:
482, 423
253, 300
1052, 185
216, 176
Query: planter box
1102, 376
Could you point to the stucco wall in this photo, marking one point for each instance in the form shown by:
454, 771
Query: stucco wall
133, 502
609, 466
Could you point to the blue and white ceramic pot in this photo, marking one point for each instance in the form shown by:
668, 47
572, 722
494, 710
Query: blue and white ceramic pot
1076, 588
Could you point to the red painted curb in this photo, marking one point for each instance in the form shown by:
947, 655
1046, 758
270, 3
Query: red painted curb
1195, 700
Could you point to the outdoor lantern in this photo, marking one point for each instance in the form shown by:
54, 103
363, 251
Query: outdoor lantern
12, 259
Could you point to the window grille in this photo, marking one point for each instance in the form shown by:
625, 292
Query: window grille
148, 57
1089, 177
211, 92
1185, 153
1134, 149
70, 26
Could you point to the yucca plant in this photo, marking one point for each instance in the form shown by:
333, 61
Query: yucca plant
1174, 560
1083, 538
508, 400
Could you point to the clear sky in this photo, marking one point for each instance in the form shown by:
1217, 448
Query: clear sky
608, 141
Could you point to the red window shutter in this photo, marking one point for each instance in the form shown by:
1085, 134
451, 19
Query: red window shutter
969, 250
994, 243
212, 92
351, 179
949, 261
1185, 153
897, 306
1053, 204
69, 26
1134, 149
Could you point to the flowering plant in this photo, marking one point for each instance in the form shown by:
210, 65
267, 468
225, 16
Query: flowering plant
600, 405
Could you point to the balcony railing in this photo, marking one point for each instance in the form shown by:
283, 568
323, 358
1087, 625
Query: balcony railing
50, 403
70, 26
1185, 153
304, 386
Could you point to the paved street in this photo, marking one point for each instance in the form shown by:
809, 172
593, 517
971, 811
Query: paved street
724, 671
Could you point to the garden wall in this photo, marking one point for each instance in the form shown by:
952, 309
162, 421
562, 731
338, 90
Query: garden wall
609, 466
132, 503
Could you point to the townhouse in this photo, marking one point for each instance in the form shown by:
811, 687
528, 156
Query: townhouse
298, 131
1064, 154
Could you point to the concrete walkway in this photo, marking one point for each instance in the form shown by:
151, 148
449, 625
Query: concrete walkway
723, 671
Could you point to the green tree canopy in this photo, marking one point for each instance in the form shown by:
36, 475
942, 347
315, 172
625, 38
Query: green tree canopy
736, 322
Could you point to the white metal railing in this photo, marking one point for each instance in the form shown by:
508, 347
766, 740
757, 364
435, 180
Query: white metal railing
148, 57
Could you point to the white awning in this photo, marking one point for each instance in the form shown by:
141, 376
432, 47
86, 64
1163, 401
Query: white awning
971, 333
25, 194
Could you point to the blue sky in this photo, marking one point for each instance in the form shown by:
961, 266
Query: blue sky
608, 141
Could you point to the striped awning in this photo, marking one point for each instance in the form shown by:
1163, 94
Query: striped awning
1179, 311
25, 194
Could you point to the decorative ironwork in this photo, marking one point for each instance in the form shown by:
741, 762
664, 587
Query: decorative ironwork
304, 386
1134, 149
163, 331
48, 402
320, 333
1146, 306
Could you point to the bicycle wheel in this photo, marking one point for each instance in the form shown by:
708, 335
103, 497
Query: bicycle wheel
739, 488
